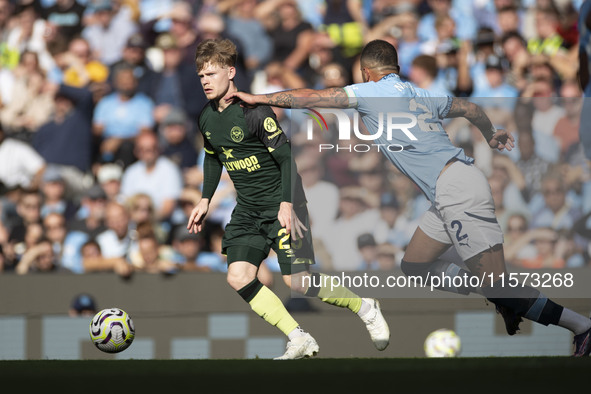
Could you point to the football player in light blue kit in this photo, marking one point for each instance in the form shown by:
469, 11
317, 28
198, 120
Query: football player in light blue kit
462, 212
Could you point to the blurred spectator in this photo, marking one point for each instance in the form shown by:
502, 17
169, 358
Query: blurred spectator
178, 146
83, 229
322, 196
69, 126
20, 165
90, 217
183, 31
292, 37
185, 204
545, 117
213, 257
134, 56
371, 179
66, 16
333, 75
531, 166
567, 127
546, 253
242, 24
177, 85
423, 72
109, 29
54, 225
412, 202
445, 28
153, 174
584, 27
187, 248
94, 261
515, 50
556, 213
28, 34
508, 20
512, 184
428, 24
120, 116
403, 26
53, 190
6, 9
28, 212
39, 259
494, 86
109, 178
83, 70
356, 216
345, 23
392, 227
517, 244
142, 215
388, 257
83, 305
150, 256
368, 249
30, 101
551, 44
117, 240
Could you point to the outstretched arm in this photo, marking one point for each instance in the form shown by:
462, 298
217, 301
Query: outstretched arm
497, 139
297, 98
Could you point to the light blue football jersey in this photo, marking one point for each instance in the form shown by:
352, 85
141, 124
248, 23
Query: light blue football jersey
427, 147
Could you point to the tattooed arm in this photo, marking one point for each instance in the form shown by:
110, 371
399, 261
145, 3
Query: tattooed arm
297, 98
499, 139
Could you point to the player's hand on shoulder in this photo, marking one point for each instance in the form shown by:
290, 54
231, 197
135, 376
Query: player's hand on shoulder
246, 99
195, 223
501, 140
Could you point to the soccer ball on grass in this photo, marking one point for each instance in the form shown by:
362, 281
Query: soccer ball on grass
112, 330
442, 343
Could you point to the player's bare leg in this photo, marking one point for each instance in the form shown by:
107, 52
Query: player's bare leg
368, 309
422, 259
242, 277
528, 302
513, 303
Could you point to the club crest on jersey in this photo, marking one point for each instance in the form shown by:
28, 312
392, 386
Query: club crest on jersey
237, 134
270, 125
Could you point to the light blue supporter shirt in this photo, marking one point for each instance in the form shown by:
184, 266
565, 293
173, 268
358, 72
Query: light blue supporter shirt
427, 147
124, 119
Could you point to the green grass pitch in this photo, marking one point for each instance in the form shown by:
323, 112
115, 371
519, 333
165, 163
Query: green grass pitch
398, 375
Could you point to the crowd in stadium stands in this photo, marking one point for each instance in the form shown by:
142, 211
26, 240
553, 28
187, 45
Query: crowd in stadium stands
100, 153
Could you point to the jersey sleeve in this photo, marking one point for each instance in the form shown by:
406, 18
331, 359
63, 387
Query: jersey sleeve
263, 123
207, 147
440, 104
352, 92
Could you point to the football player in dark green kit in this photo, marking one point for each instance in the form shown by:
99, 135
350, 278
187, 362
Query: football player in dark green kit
250, 144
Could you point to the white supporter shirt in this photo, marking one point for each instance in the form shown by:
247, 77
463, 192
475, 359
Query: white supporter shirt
164, 182
19, 163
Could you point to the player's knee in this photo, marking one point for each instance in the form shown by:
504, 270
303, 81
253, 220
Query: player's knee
237, 280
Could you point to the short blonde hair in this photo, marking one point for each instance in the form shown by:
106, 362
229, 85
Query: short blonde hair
217, 52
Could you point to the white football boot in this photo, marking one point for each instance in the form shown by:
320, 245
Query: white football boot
376, 324
300, 347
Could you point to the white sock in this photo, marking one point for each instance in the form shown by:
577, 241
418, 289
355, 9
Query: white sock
295, 333
573, 321
365, 307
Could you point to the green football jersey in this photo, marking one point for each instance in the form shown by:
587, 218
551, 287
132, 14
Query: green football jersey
242, 139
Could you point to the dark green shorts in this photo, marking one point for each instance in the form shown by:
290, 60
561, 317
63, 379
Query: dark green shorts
251, 234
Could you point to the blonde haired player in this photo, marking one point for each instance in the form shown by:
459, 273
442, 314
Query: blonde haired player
251, 145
